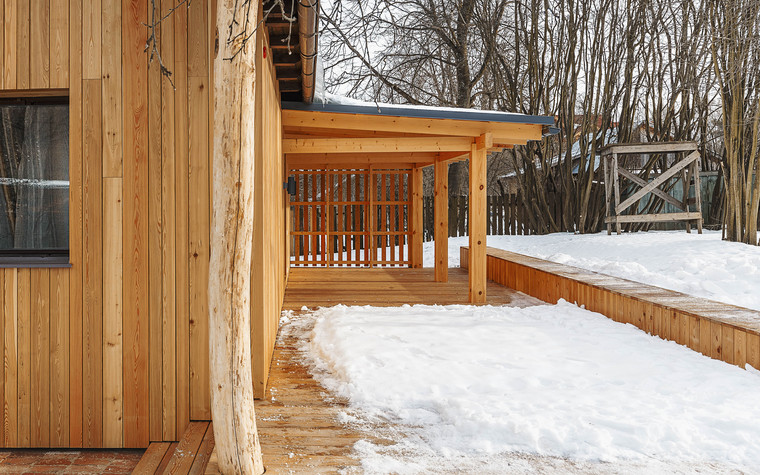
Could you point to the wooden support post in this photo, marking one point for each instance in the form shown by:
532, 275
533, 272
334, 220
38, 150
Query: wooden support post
698, 193
616, 181
415, 248
477, 223
607, 192
686, 186
441, 216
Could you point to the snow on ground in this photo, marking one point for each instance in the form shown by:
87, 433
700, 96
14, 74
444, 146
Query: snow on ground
553, 388
699, 265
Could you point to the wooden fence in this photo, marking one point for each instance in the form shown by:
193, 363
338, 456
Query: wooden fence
506, 214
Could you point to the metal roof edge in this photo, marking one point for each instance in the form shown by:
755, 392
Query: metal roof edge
422, 113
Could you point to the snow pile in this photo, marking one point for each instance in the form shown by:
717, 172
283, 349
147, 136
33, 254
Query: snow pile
551, 380
699, 265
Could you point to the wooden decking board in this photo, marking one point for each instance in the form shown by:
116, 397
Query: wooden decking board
319, 287
152, 458
188, 456
183, 457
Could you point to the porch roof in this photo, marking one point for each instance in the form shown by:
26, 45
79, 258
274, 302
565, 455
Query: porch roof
337, 135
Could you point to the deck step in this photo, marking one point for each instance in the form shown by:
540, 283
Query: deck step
189, 455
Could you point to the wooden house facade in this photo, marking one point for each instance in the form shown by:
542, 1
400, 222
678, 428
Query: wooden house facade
106, 345
112, 350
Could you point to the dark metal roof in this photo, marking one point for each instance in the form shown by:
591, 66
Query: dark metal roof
422, 112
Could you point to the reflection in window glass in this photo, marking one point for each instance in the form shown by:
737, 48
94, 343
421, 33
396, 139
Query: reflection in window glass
34, 176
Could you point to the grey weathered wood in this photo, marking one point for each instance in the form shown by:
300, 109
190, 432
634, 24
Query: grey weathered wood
616, 180
686, 188
660, 217
655, 147
607, 193
698, 193
672, 171
626, 174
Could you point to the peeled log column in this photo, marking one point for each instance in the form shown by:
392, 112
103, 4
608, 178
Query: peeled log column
229, 290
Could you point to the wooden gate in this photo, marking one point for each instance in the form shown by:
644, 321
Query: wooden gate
351, 217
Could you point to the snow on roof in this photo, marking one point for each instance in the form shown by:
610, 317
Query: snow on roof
333, 103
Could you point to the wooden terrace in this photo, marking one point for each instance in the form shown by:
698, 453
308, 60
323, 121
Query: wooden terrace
383, 287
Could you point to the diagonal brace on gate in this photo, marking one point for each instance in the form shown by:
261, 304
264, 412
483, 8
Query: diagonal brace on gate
653, 186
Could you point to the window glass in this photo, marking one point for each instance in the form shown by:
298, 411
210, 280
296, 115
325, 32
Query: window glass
34, 176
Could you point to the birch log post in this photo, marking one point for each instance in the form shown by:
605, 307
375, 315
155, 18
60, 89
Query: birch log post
229, 290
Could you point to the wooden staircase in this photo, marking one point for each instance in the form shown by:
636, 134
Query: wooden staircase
188, 456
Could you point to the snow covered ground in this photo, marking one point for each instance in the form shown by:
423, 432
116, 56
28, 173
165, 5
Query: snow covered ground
553, 388
700, 265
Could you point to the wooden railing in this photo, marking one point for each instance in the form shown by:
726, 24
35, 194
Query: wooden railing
721, 331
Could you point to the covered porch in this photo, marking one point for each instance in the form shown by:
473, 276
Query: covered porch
356, 183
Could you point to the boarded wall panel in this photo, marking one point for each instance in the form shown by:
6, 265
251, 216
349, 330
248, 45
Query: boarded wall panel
10, 358
92, 264
75, 224
39, 59
91, 39
73, 339
135, 78
181, 176
10, 30
59, 43
59, 357
112, 93
199, 229
113, 390
155, 254
23, 24
40, 354
24, 317
168, 236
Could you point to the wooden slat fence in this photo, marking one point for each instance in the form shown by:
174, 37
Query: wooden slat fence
506, 215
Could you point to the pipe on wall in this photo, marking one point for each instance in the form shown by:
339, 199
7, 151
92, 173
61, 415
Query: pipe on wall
308, 14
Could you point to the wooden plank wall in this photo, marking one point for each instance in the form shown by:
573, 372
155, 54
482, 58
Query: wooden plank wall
720, 331
269, 273
113, 351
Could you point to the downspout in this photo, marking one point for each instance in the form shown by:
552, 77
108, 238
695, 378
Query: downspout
307, 32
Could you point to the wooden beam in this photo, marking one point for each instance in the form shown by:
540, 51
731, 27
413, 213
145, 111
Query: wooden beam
377, 145
380, 165
477, 224
654, 147
502, 131
360, 158
485, 141
441, 217
416, 221
661, 217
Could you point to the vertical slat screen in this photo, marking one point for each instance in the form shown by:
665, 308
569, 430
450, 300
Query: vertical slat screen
350, 217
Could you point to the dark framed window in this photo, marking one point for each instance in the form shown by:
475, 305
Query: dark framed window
34, 181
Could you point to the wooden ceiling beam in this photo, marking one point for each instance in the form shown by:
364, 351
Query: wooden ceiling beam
503, 132
360, 158
377, 145
342, 166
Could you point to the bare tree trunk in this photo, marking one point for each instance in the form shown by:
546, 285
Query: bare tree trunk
232, 409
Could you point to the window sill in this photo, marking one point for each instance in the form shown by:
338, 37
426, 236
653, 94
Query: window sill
34, 262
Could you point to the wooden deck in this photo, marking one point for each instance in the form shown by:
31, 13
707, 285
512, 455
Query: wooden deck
385, 287
188, 456
298, 421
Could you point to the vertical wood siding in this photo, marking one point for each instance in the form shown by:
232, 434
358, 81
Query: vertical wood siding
270, 202
113, 351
